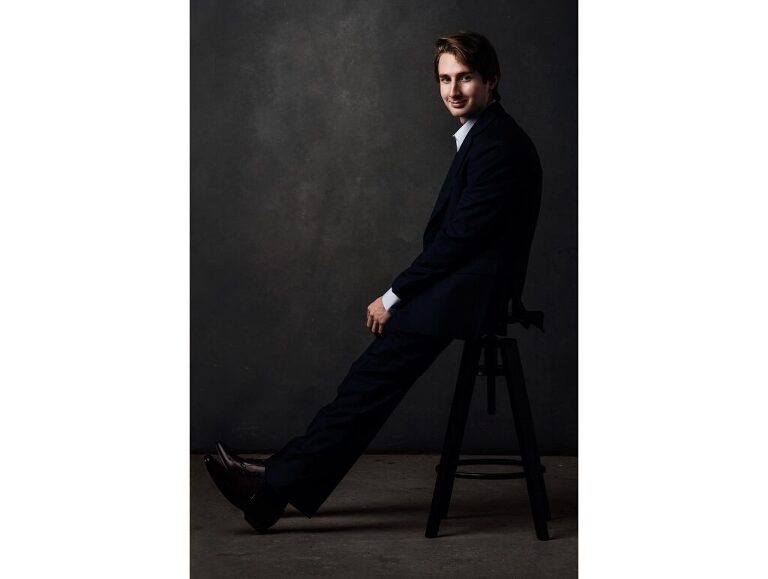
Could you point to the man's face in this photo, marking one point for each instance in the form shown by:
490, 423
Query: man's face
463, 90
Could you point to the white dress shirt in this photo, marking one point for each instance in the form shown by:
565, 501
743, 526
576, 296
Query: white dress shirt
390, 298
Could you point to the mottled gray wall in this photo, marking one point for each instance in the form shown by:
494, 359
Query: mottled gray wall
318, 146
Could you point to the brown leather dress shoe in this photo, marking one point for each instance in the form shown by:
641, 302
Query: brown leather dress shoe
248, 491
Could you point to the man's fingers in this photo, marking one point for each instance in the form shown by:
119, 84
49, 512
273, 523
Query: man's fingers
376, 319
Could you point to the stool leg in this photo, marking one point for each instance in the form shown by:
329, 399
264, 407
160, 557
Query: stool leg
490, 373
462, 398
460, 418
526, 436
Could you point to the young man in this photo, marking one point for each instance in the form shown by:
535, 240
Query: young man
473, 265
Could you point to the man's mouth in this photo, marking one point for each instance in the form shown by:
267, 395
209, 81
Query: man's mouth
458, 104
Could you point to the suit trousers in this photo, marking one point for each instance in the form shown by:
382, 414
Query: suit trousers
307, 469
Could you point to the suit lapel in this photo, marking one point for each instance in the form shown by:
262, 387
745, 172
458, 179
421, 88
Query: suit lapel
458, 159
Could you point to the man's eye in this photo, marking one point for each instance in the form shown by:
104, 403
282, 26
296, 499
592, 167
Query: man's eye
467, 78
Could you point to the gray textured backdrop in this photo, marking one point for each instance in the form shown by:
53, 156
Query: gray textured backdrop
318, 145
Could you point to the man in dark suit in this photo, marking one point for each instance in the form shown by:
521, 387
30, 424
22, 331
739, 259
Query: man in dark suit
472, 267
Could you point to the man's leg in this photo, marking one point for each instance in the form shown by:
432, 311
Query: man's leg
307, 469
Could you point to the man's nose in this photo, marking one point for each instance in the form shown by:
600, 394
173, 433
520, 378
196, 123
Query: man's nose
455, 88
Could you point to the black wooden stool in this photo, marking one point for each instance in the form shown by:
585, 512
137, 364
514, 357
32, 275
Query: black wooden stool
512, 369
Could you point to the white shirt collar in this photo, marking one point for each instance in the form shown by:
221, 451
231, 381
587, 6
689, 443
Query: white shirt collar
462, 132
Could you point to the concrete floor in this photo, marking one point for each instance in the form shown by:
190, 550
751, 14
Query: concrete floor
373, 526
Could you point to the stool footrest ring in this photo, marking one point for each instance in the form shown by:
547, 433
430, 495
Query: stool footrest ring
490, 475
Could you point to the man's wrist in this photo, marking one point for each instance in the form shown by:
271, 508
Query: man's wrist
389, 299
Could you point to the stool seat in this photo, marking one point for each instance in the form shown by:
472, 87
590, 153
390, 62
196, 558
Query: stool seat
488, 348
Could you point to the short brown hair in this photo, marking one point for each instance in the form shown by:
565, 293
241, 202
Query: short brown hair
473, 50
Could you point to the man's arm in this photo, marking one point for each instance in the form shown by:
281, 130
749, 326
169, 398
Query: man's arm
477, 219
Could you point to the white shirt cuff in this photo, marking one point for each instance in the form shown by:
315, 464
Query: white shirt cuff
389, 299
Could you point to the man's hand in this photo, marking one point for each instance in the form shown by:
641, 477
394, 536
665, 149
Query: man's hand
377, 316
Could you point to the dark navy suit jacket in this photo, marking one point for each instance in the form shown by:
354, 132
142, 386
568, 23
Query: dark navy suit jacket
478, 238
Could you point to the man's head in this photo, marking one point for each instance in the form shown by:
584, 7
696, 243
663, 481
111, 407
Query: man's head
467, 70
